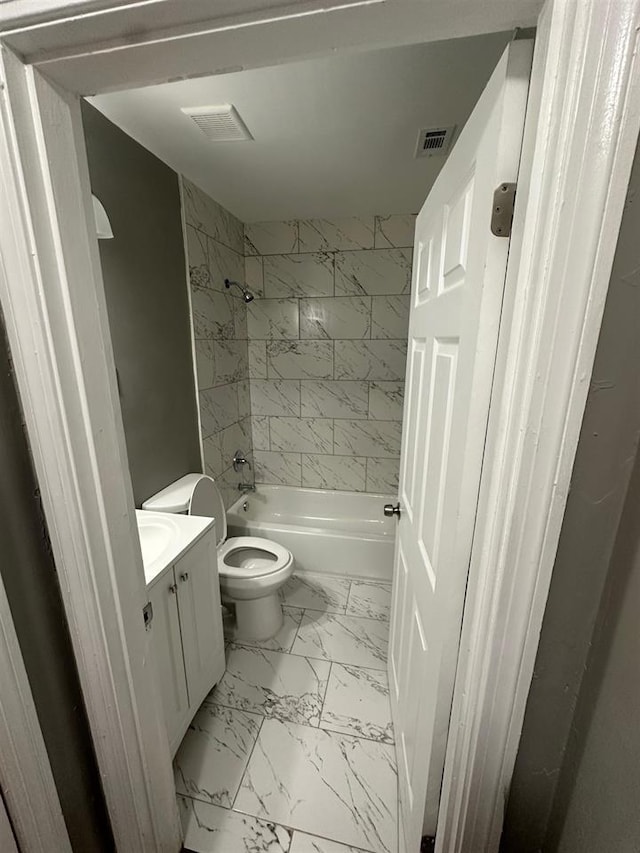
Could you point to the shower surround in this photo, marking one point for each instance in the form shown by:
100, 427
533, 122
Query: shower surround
308, 378
327, 349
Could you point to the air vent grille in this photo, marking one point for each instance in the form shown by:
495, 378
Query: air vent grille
434, 140
219, 123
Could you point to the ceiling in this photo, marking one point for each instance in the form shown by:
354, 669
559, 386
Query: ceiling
332, 137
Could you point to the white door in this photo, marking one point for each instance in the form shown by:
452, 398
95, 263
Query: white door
165, 648
200, 618
456, 297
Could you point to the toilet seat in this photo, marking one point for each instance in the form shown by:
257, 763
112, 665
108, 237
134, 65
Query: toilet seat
251, 570
275, 557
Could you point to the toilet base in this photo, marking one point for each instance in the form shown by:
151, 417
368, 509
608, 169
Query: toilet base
258, 618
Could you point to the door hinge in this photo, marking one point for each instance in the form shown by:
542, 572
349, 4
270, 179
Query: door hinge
502, 210
147, 615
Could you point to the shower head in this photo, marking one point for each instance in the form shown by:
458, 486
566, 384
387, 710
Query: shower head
246, 295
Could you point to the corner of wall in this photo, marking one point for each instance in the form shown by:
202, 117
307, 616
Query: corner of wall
214, 242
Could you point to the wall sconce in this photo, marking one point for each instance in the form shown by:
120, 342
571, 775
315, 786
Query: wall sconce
103, 226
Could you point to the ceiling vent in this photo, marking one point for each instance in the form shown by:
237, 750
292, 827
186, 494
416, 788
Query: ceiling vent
434, 140
220, 123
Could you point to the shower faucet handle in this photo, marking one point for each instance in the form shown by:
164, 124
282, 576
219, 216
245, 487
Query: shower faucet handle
239, 460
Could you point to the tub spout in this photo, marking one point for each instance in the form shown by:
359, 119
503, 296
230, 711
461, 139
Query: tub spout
246, 487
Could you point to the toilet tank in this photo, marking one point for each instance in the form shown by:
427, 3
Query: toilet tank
193, 494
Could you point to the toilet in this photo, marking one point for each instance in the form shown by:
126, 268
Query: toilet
251, 569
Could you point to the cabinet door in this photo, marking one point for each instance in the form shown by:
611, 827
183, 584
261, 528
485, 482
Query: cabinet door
200, 618
166, 650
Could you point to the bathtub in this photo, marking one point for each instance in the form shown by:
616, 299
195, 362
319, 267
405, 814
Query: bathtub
342, 533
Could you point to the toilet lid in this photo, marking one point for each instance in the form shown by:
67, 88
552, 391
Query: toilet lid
275, 557
206, 500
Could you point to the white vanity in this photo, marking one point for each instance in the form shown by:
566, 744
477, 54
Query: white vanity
186, 639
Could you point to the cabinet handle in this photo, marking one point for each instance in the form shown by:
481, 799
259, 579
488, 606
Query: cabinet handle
184, 576
173, 588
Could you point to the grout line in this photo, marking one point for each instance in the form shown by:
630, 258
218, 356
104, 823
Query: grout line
246, 767
296, 634
263, 719
214, 240
206, 802
332, 840
365, 618
263, 716
340, 662
222, 384
346, 607
334, 576
265, 820
328, 250
359, 737
305, 378
334, 265
324, 698
297, 630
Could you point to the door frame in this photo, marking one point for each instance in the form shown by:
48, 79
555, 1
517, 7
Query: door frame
30, 811
52, 296
584, 120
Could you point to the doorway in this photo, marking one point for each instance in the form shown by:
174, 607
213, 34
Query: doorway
307, 378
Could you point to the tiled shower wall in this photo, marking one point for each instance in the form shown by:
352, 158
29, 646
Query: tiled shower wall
327, 349
215, 252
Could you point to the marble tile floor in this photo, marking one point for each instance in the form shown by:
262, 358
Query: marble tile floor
292, 752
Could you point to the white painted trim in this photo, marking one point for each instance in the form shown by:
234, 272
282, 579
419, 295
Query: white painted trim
53, 301
579, 147
29, 12
26, 779
156, 41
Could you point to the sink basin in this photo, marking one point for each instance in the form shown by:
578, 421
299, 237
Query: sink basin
164, 537
156, 535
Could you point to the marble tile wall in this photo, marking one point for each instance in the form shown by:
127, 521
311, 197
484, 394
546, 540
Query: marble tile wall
327, 349
215, 252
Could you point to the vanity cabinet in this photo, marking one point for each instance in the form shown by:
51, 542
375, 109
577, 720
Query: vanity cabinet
186, 640
166, 650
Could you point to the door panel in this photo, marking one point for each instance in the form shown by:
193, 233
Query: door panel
395, 640
457, 289
435, 437
455, 238
413, 458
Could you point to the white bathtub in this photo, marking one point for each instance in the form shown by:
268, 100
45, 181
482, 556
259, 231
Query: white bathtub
342, 533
